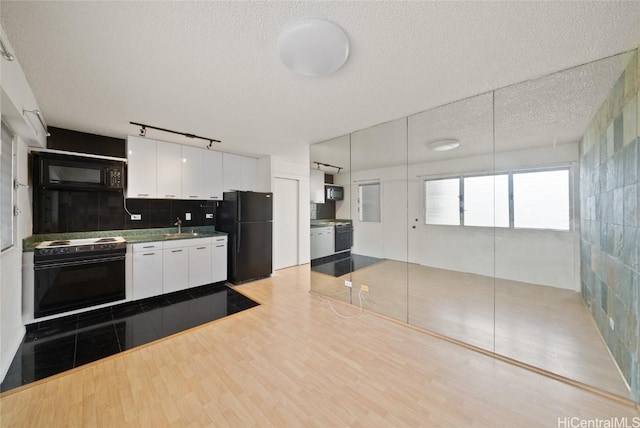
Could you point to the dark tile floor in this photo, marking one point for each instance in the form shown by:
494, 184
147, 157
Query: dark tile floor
344, 265
54, 346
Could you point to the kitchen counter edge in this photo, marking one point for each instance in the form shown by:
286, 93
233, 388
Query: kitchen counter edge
132, 236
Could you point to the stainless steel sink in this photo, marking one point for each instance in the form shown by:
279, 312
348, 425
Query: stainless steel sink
181, 235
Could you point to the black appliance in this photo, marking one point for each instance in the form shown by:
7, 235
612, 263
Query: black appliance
78, 273
343, 236
247, 218
64, 171
334, 193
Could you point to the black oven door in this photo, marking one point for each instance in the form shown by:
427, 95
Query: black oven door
67, 285
343, 237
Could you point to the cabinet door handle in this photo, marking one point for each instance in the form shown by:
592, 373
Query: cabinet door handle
191, 196
218, 246
143, 194
176, 251
170, 196
201, 248
149, 246
148, 254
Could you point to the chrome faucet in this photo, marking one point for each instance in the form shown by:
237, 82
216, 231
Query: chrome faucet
179, 224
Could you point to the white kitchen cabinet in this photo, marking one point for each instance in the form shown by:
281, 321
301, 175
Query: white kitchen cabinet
199, 265
239, 172
169, 170
316, 186
141, 167
192, 163
147, 270
212, 175
219, 259
175, 269
322, 242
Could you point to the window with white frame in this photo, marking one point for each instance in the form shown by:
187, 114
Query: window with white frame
6, 188
442, 200
541, 200
369, 202
516, 199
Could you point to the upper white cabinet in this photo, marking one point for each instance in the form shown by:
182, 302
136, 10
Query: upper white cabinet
169, 167
212, 175
141, 168
239, 172
157, 169
192, 181
316, 185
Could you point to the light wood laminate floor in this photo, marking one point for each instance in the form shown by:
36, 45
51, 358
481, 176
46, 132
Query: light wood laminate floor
293, 362
542, 326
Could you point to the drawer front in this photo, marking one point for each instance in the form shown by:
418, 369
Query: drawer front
147, 246
194, 242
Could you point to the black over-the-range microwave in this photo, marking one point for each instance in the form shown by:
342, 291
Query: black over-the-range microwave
63, 171
334, 193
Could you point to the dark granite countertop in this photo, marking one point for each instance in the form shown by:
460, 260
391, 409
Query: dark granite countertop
132, 236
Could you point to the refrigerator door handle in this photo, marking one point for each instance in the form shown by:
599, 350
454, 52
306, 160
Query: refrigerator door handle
238, 236
239, 213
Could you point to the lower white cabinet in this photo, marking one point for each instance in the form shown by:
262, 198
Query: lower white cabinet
199, 265
147, 270
167, 266
219, 259
175, 269
322, 242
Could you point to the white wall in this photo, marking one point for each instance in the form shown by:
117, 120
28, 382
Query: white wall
16, 95
11, 326
534, 256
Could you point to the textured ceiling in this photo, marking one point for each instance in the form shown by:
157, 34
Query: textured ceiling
212, 68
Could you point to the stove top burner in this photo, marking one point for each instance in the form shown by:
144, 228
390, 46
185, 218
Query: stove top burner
68, 247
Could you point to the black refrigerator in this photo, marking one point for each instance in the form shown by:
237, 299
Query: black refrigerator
247, 218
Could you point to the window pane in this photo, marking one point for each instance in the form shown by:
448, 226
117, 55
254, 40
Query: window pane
541, 200
369, 202
486, 201
442, 201
6, 188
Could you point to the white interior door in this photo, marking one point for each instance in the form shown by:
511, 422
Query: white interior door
285, 223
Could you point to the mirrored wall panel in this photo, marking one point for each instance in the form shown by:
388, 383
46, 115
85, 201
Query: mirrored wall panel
566, 260
330, 212
452, 218
379, 211
508, 221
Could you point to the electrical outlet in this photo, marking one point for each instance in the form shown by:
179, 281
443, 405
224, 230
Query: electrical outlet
187, 216
136, 216
207, 215
612, 324
347, 284
364, 288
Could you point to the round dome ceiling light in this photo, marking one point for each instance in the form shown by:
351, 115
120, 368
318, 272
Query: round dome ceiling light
313, 47
444, 145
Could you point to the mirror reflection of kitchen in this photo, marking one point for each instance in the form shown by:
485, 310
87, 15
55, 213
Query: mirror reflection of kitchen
331, 225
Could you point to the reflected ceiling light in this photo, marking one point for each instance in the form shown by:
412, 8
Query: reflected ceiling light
443, 145
313, 47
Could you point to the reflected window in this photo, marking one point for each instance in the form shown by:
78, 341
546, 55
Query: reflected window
486, 200
442, 201
541, 200
516, 199
369, 202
